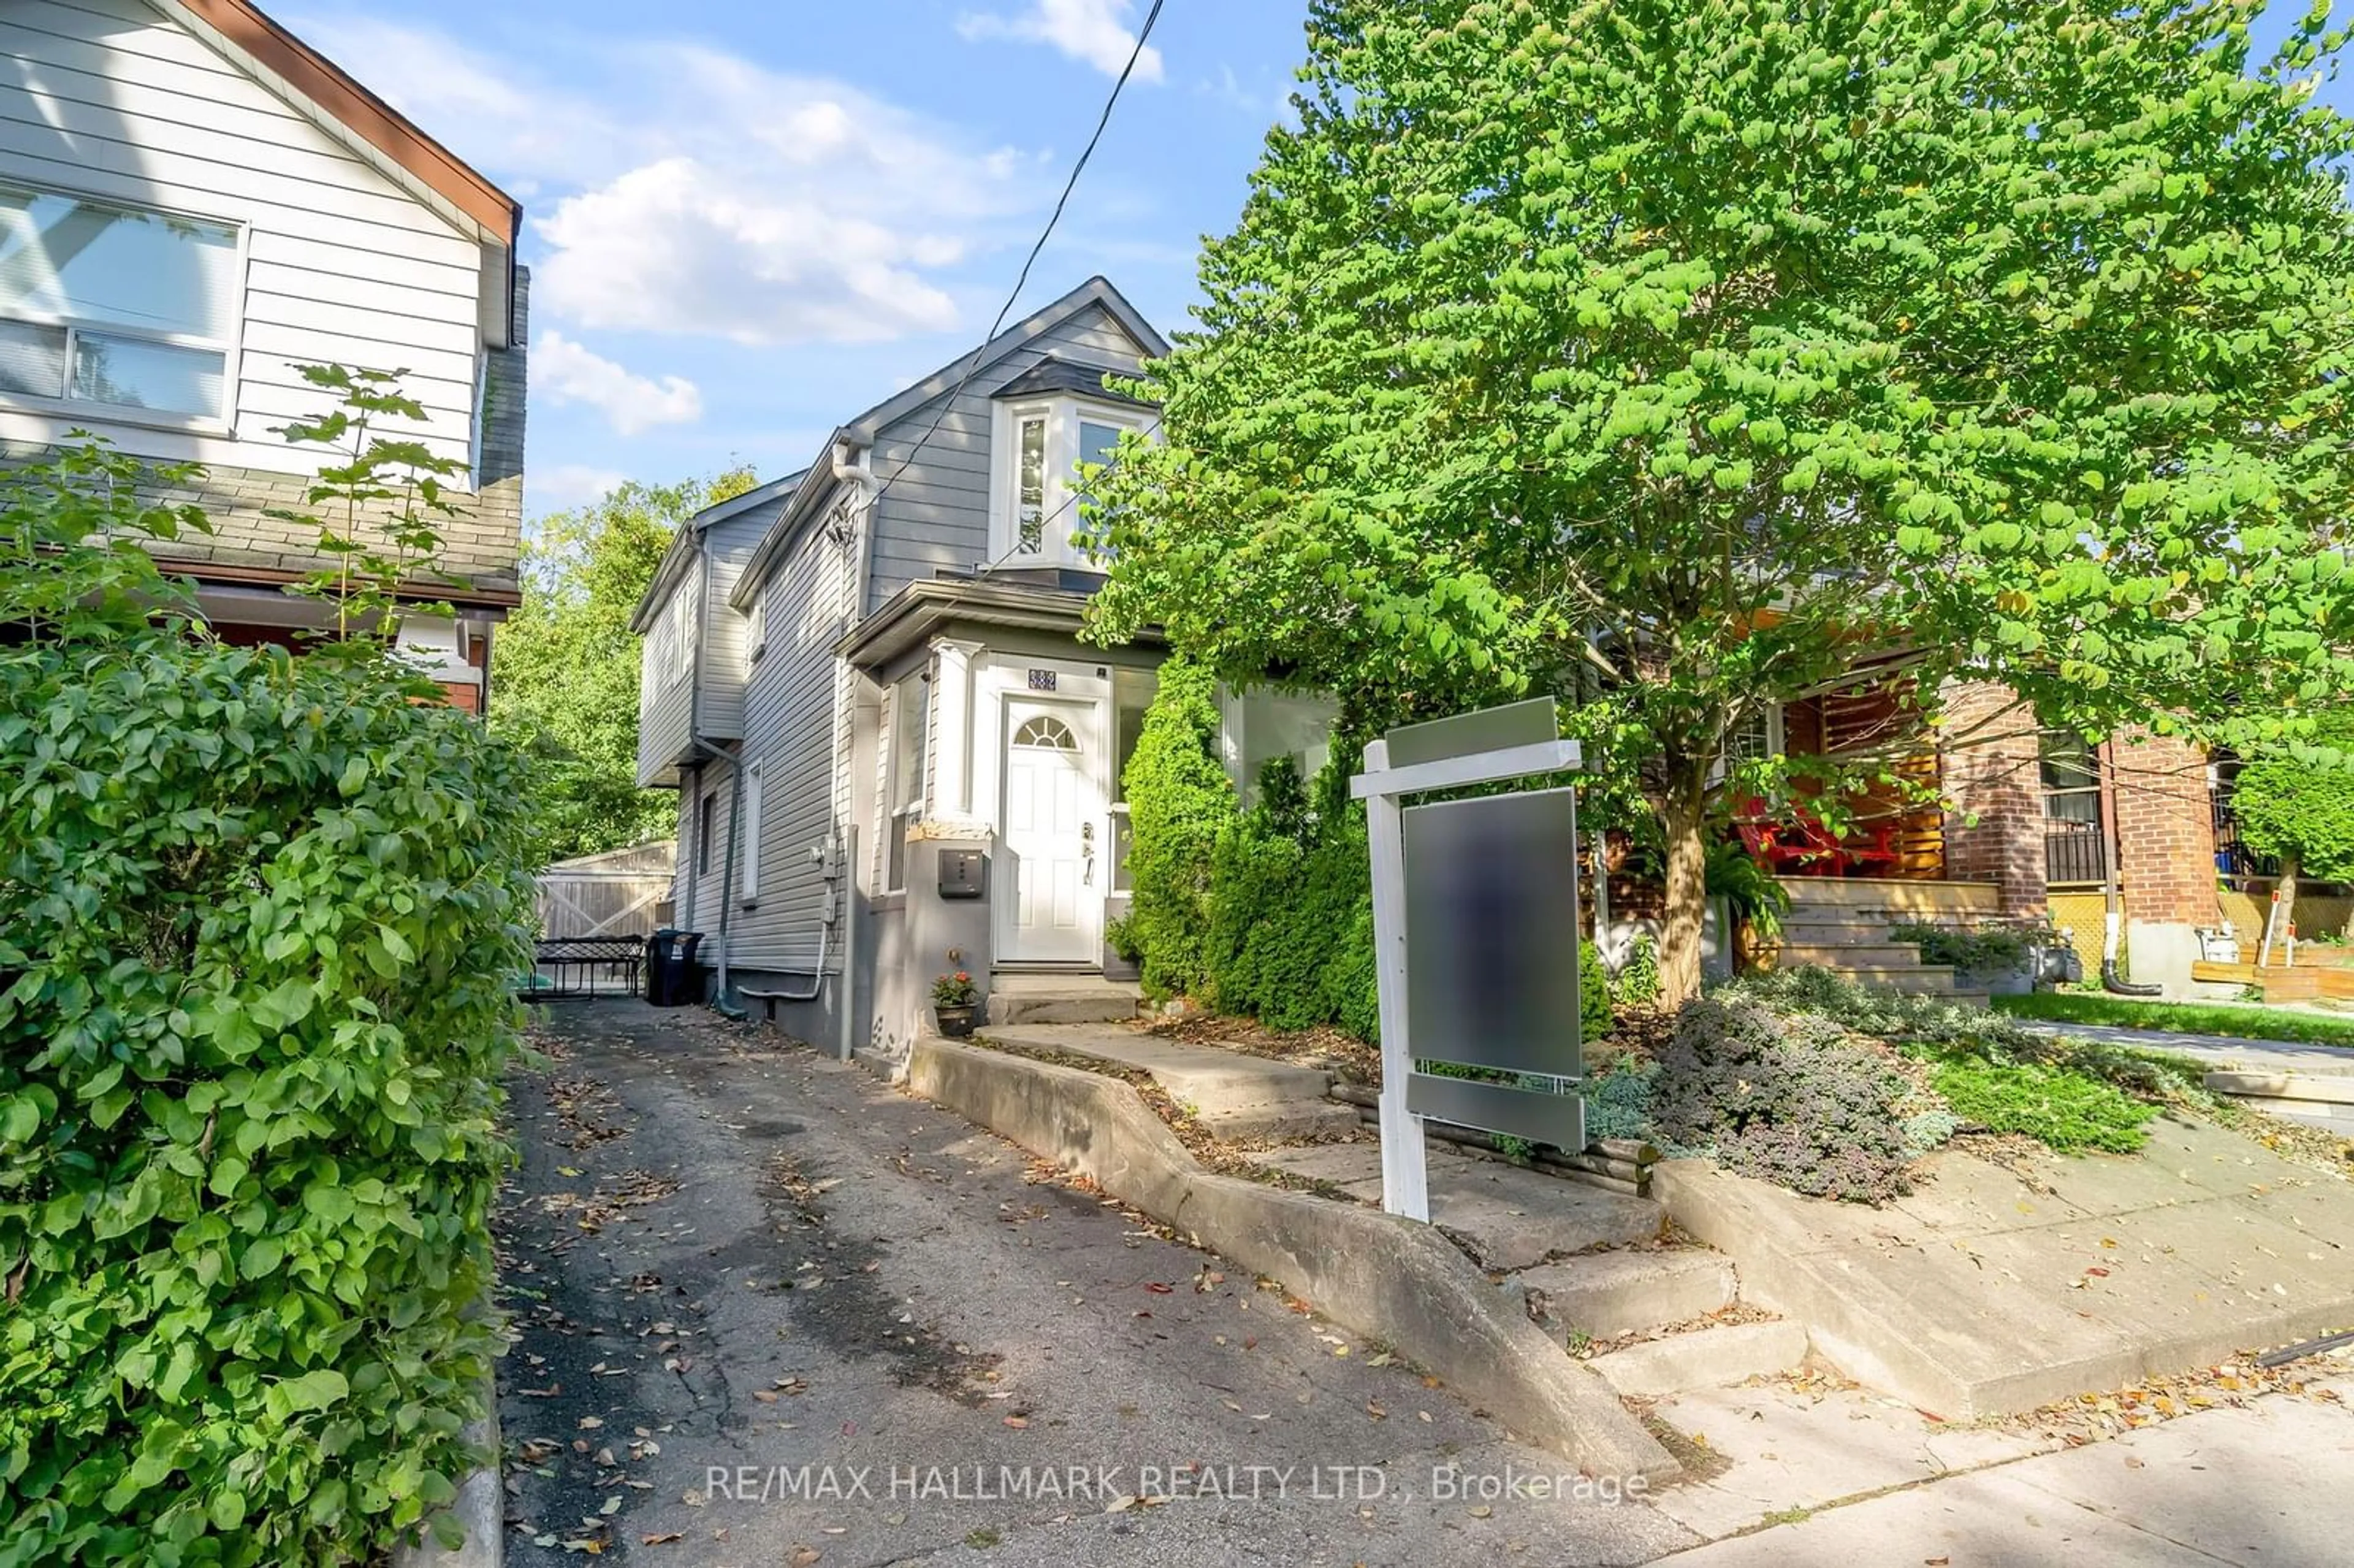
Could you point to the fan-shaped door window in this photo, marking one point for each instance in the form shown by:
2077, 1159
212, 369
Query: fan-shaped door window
1045, 732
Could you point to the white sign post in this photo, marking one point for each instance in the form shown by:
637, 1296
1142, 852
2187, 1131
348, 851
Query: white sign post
1495, 744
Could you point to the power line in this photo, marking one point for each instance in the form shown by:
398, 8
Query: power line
972, 363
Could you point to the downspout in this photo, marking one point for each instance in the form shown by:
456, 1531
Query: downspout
858, 472
704, 751
2113, 890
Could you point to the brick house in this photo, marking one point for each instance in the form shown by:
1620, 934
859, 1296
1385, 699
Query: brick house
194, 204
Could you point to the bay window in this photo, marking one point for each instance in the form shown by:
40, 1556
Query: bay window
1036, 453
115, 306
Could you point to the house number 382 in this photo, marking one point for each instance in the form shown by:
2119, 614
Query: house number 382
1042, 680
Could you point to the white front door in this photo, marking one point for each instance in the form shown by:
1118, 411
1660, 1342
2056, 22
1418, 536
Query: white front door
1054, 807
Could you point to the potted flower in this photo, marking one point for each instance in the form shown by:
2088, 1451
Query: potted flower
953, 998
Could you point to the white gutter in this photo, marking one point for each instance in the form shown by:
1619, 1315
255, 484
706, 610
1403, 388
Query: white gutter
854, 465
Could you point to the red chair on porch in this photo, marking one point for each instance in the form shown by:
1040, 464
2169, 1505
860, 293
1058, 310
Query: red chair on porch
1797, 843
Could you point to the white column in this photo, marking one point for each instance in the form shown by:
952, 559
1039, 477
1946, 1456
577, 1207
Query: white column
952, 728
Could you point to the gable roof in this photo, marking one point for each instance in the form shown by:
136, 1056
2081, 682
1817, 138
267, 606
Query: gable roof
1096, 291
818, 482
689, 539
348, 109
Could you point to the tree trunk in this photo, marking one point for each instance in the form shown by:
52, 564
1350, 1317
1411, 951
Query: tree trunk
1681, 823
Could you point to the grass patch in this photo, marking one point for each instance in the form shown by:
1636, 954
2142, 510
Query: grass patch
2063, 1110
2187, 1017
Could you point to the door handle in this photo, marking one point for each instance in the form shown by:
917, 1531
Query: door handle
1087, 851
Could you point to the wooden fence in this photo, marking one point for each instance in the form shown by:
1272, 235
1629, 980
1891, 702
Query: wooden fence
617, 893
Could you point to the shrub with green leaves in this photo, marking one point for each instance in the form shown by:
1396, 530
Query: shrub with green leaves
260, 920
1179, 799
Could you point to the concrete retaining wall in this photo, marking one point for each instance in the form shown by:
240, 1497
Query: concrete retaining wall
1380, 1276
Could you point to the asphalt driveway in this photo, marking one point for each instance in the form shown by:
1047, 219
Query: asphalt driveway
770, 1310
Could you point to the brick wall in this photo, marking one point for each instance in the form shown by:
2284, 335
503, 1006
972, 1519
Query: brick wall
1989, 761
2166, 830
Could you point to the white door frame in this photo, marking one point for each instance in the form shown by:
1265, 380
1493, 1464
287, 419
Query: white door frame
1000, 679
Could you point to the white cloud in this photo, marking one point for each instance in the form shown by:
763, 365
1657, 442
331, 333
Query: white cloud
1096, 31
630, 404
559, 487
679, 246
678, 188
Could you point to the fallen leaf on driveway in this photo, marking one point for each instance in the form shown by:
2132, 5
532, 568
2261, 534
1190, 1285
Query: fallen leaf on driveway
802, 1556
660, 1539
1160, 1289
1017, 1421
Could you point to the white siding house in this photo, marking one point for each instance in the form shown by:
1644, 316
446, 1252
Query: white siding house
192, 205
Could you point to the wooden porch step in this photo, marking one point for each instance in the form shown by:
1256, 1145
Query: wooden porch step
1881, 894
1843, 955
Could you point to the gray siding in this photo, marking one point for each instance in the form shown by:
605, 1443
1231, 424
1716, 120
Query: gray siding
665, 706
791, 699
935, 517
698, 892
720, 668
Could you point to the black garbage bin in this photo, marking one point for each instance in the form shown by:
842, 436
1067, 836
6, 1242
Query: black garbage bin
659, 948
686, 975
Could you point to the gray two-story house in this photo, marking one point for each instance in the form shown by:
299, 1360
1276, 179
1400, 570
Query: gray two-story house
895, 757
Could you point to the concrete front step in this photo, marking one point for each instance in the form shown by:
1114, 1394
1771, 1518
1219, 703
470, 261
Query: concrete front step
1705, 1358
1602, 1294
1857, 955
1046, 998
2325, 1100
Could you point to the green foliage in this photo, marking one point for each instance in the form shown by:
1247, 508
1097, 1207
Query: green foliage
379, 510
1661, 356
1285, 890
1990, 949
1755, 894
2062, 1109
1791, 1098
261, 922
2295, 800
1638, 982
1618, 1090
2222, 1020
564, 668
1180, 800
1594, 992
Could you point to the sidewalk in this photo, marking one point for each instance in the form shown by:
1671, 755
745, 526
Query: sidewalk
2219, 1053
2260, 1484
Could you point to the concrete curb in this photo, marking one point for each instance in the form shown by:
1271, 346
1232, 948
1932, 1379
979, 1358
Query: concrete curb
1382, 1276
479, 1505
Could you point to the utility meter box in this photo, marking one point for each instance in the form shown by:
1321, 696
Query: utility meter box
964, 874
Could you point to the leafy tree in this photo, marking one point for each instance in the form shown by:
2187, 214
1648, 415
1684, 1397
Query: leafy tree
2296, 804
563, 669
1674, 358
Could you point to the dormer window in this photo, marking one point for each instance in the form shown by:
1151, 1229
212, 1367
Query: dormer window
1047, 425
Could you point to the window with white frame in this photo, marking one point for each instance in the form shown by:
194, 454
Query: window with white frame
904, 791
678, 635
747, 872
1036, 452
114, 307
755, 626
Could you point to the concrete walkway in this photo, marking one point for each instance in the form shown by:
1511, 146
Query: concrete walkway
2224, 1054
1231, 1093
2249, 1485
1507, 1218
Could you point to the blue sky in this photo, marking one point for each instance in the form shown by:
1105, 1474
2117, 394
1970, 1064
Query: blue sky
749, 221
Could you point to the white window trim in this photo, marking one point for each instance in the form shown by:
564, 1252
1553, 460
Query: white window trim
747, 873
1776, 743
231, 348
1063, 417
755, 626
679, 645
898, 818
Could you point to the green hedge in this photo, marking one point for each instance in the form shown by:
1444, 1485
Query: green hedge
1266, 912
261, 919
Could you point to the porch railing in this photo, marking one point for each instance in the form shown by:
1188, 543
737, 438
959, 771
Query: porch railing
2075, 851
